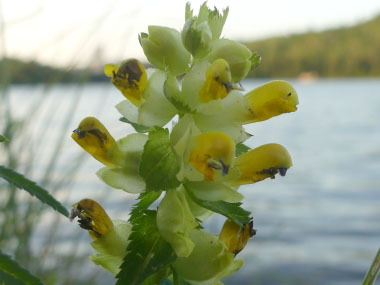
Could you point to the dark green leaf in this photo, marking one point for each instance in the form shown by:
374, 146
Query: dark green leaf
3, 139
138, 128
159, 165
145, 200
255, 60
173, 94
147, 253
13, 269
23, 183
233, 211
241, 149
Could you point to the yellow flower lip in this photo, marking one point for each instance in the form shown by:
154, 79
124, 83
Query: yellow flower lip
263, 162
92, 217
94, 138
212, 151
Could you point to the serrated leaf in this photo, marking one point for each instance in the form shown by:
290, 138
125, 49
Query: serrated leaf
3, 139
173, 94
145, 200
23, 183
241, 149
147, 253
12, 268
255, 60
138, 128
159, 165
233, 211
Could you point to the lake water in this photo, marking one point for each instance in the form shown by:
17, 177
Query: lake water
318, 225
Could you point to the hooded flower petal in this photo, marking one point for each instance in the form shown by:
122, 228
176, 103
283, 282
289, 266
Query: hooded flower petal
261, 163
130, 78
271, 99
94, 138
218, 81
92, 217
236, 237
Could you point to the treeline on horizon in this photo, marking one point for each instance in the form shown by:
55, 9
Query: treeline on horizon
342, 52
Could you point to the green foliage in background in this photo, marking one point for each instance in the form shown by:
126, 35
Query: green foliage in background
342, 52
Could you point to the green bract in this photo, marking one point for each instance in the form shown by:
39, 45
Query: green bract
189, 113
112, 247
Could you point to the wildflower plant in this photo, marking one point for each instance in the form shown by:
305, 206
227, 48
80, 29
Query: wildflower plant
195, 165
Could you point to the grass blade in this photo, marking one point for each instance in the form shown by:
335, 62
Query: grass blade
373, 271
12, 268
23, 183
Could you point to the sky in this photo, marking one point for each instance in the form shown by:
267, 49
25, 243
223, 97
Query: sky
75, 33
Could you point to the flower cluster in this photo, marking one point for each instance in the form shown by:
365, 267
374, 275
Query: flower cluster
198, 165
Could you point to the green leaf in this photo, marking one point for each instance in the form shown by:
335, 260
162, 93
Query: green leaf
255, 60
138, 128
233, 211
145, 200
3, 139
12, 268
241, 149
173, 94
159, 165
147, 253
23, 183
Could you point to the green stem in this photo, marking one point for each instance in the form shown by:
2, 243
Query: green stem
373, 271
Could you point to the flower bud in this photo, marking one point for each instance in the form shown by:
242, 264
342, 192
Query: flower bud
164, 49
262, 162
196, 37
130, 78
94, 138
237, 55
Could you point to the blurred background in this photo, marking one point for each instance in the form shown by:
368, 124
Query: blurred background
318, 225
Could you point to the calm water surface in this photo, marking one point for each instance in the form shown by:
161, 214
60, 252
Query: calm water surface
318, 225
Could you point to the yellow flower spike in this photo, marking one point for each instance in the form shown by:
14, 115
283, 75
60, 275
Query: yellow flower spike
94, 138
262, 162
236, 237
218, 82
212, 150
92, 217
271, 99
130, 78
